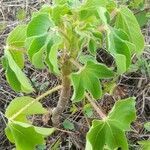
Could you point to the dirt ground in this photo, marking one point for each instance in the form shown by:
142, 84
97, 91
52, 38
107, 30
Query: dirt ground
135, 83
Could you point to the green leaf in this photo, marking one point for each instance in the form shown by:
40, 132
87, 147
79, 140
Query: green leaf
53, 54
147, 126
16, 43
21, 137
44, 131
92, 46
127, 22
121, 63
18, 130
110, 131
111, 5
59, 11
68, 125
19, 103
9, 134
84, 58
95, 3
39, 25
17, 37
14, 70
44, 49
18, 57
91, 8
74, 3
145, 145
118, 46
142, 18
84, 79
123, 113
36, 51
10, 75
136, 3
41, 147
61, 2
26, 136
47, 60
88, 110
21, 14
12, 79
103, 14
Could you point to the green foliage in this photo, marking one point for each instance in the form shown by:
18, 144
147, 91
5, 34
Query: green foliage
54, 38
26, 136
136, 3
68, 125
21, 14
147, 126
19, 103
88, 111
111, 131
3, 26
127, 22
19, 130
16, 78
38, 25
17, 37
145, 145
88, 79
15, 43
118, 47
142, 18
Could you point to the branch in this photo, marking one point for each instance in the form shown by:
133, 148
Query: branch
98, 109
35, 100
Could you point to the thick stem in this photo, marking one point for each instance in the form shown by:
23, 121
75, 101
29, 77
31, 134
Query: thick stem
64, 95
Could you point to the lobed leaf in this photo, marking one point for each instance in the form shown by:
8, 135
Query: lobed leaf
53, 53
127, 22
145, 145
13, 70
94, 3
16, 44
142, 18
17, 37
39, 25
59, 11
18, 57
118, 46
18, 130
26, 136
92, 46
68, 125
84, 79
60, 2
36, 51
43, 45
110, 132
19, 103
147, 126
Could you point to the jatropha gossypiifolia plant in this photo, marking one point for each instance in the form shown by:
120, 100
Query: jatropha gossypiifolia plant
54, 39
